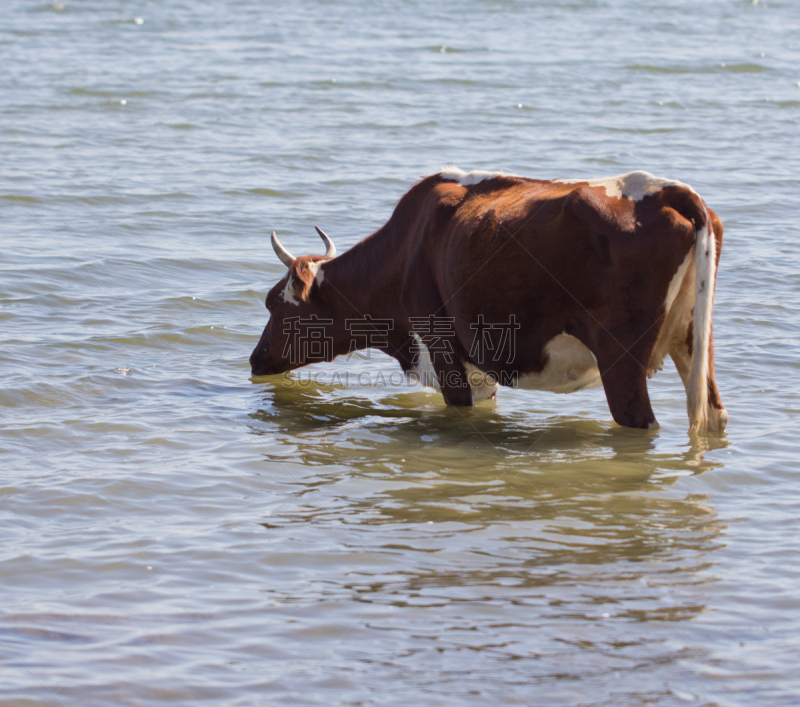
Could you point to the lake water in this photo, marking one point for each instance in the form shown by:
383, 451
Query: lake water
173, 531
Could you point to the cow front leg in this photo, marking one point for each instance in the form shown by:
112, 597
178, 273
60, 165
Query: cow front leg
625, 383
441, 370
454, 384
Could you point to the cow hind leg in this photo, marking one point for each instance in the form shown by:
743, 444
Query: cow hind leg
681, 354
625, 383
717, 414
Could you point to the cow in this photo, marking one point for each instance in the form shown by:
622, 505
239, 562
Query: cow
592, 281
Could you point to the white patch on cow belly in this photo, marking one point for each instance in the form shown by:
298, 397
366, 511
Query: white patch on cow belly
422, 371
570, 367
465, 179
634, 185
483, 385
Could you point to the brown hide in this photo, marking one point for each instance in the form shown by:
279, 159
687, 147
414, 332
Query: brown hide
558, 258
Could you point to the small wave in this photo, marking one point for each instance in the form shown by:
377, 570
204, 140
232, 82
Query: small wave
747, 68
261, 191
20, 197
744, 68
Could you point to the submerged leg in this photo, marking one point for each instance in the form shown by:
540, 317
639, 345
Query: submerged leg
454, 384
441, 370
625, 382
681, 353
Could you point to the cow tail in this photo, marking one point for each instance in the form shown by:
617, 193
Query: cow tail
705, 276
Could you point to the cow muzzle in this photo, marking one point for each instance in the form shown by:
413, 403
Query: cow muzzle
262, 364
259, 366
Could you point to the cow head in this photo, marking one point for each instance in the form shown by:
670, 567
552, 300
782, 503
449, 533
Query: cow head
300, 326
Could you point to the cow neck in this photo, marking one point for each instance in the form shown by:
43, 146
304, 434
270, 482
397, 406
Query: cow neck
366, 280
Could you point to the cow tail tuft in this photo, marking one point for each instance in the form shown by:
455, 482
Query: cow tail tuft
705, 276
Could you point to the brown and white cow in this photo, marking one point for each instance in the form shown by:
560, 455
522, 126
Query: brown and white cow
601, 279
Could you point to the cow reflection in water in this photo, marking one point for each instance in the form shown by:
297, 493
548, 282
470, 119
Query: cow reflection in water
567, 491
326, 425
600, 279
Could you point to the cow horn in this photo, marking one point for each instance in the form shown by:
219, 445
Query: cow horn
285, 256
331, 252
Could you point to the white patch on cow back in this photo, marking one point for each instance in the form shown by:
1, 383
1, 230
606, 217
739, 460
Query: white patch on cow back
422, 371
633, 185
570, 367
319, 277
483, 385
465, 179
